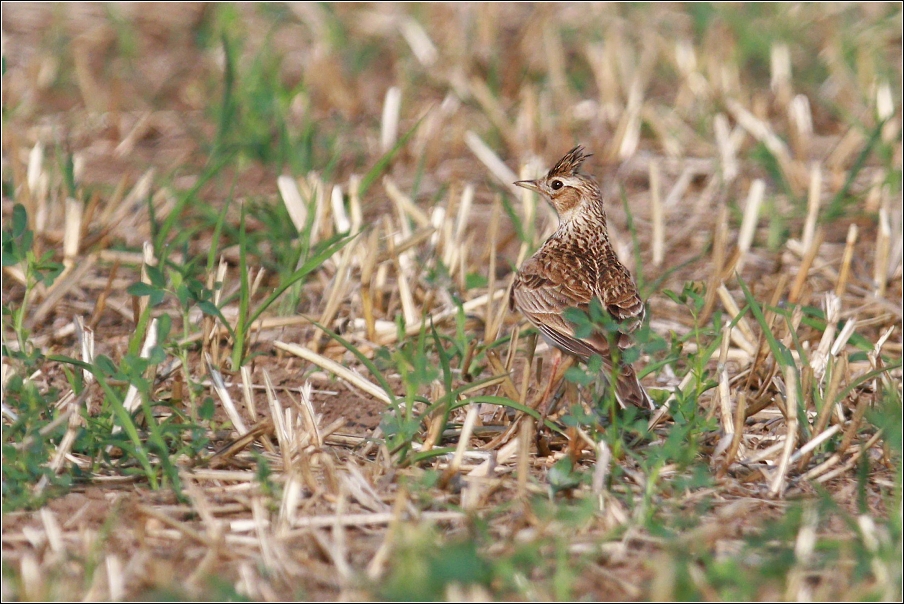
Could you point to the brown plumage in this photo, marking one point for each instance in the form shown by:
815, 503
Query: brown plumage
575, 265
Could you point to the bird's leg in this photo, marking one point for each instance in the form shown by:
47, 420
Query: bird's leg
557, 397
557, 358
556, 378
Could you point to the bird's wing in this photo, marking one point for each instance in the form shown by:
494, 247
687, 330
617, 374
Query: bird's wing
542, 299
542, 290
619, 296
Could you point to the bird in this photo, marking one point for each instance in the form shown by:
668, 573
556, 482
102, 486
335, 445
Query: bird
576, 264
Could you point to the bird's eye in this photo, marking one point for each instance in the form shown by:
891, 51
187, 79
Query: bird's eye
556, 185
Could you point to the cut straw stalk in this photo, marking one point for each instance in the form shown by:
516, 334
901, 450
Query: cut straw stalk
85, 338
289, 504
820, 356
815, 442
387, 332
341, 282
305, 523
463, 440
735, 444
821, 472
504, 454
720, 247
72, 231
247, 396
663, 412
116, 213
380, 557
777, 486
883, 249
800, 280
491, 332
749, 222
367, 263
600, 472
801, 118
52, 531
34, 586
62, 286
743, 337
657, 215
341, 220
219, 387
489, 159
736, 355
762, 454
33, 175
627, 134
132, 399
143, 125
728, 426
404, 277
355, 212
389, 124
844, 273
278, 416
780, 63
727, 148
846, 332
116, 578
418, 40
258, 325
405, 208
455, 253
668, 128
148, 259
798, 588
73, 418
65, 446
525, 438
763, 132
311, 419
348, 375
678, 190
298, 211
814, 200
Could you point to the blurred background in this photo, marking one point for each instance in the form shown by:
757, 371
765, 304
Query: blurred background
290, 88
689, 109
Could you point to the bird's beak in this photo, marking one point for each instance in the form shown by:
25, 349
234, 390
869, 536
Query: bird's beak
528, 184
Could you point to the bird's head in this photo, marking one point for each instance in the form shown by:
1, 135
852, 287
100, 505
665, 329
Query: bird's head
565, 188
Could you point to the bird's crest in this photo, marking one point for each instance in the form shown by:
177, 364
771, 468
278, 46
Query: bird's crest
568, 165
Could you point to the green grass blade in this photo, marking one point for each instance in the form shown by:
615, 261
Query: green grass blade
328, 248
242, 322
119, 410
779, 351
211, 170
380, 166
215, 238
443, 359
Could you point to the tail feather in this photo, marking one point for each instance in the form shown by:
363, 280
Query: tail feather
629, 390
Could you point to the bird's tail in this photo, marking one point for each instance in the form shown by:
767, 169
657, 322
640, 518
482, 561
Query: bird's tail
629, 390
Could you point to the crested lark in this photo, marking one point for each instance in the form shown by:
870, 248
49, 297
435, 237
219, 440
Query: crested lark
575, 265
